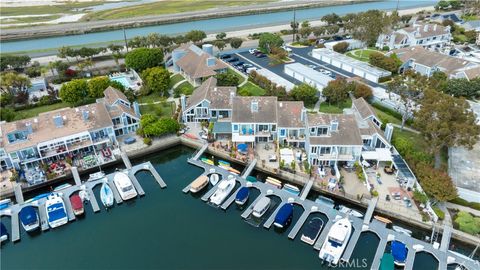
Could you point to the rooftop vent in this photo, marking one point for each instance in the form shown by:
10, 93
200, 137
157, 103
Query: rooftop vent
211, 61
254, 106
58, 121
85, 115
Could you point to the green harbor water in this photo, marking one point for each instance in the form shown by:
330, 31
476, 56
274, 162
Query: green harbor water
167, 229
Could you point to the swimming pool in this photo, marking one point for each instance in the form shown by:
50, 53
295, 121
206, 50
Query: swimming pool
121, 79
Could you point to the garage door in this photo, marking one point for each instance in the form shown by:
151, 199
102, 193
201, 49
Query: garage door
347, 67
336, 63
371, 77
358, 72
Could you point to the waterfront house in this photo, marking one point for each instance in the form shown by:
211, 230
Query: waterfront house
291, 122
196, 64
427, 62
125, 115
419, 34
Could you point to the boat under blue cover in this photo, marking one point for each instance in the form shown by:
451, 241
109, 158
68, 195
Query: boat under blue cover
56, 212
399, 252
242, 195
28, 215
3, 232
284, 215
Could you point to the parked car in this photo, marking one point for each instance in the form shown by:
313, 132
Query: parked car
239, 63
225, 56
252, 51
337, 38
407, 201
129, 140
250, 69
233, 59
312, 66
260, 55
247, 65
286, 48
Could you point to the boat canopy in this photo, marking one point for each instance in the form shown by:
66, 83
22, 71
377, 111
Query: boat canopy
340, 233
399, 251
243, 193
386, 262
28, 215
284, 213
199, 182
56, 212
264, 202
76, 202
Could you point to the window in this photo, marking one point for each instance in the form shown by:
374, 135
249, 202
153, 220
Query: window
322, 131
263, 128
282, 132
235, 127
325, 150
14, 155
312, 131
274, 127
214, 113
314, 149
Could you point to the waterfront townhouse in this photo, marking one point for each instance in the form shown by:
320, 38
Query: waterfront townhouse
87, 135
291, 123
196, 64
427, 62
419, 34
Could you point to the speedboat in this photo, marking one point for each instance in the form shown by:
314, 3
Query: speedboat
56, 213
386, 262
214, 178
77, 204
292, 189
106, 195
96, 176
261, 207
5, 203
402, 230
124, 186
224, 188
199, 183
3, 233
349, 211
336, 242
64, 186
284, 216
399, 252
29, 218
312, 230
242, 196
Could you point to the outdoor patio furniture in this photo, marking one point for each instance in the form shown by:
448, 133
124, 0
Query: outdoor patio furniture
129, 140
272, 158
388, 170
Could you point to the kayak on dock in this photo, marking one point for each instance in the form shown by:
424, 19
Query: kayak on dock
292, 189
207, 161
234, 171
274, 182
251, 179
382, 219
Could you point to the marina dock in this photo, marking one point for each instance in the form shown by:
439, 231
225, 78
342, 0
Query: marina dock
359, 225
306, 189
248, 170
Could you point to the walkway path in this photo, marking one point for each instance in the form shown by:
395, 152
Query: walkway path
463, 208
406, 128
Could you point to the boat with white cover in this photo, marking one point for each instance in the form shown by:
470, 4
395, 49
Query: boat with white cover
349, 211
124, 186
225, 187
214, 178
106, 195
261, 207
199, 183
96, 176
336, 241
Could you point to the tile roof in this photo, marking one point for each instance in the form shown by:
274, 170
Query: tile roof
347, 134
472, 73
289, 114
194, 63
218, 96
111, 95
44, 128
423, 30
242, 110
363, 108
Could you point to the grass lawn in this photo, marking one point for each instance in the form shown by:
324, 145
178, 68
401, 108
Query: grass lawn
176, 79
185, 88
163, 109
333, 108
28, 113
165, 7
153, 97
48, 9
250, 89
362, 54
387, 117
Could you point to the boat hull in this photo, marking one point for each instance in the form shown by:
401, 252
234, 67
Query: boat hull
124, 186
106, 195
222, 193
56, 213
332, 250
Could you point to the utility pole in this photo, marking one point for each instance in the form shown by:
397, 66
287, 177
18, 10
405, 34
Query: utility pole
125, 38
398, 2
294, 25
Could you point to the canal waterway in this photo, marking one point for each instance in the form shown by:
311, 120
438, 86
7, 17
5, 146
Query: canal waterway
208, 25
167, 229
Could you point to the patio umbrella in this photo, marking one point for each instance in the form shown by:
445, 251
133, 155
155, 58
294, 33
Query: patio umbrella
242, 147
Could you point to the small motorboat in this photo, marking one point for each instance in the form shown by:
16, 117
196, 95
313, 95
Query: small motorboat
214, 178
199, 183
284, 216
5, 203
77, 204
292, 189
61, 187
336, 241
55, 208
234, 171
386, 262
382, 219
274, 182
96, 176
225, 187
312, 230
106, 195
207, 161
402, 230
349, 211
242, 195
29, 218
261, 207
399, 252
3, 233
124, 186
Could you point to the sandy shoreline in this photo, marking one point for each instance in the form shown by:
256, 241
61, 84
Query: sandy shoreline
30, 3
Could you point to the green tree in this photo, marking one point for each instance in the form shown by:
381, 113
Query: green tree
221, 36
362, 90
97, 86
64, 52
220, 44
196, 36
12, 82
341, 47
367, 26
236, 42
388, 63
268, 40
463, 88
306, 93
332, 18
74, 91
143, 58
337, 90
445, 121
154, 127
16, 62
227, 79
436, 183
157, 80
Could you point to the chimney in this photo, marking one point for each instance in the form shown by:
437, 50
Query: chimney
302, 115
388, 132
425, 28
210, 61
334, 125
58, 121
435, 27
136, 108
254, 106
85, 115
208, 48
183, 102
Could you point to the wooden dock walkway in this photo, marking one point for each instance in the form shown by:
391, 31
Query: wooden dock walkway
248, 170
306, 189
353, 240
200, 152
371, 207
136, 184
271, 219
15, 227
42, 215
446, 236
301, 220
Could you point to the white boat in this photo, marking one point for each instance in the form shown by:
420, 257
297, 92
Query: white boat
124, 186
214, 178
55, 208
96, 176
106, 195
349, 211
224, 188
199, 183
402, 230
261, 207
336, 242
